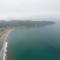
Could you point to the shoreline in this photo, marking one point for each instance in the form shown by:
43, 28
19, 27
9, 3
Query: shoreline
5, 45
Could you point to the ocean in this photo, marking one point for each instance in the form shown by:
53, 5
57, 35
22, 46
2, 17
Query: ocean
38, 43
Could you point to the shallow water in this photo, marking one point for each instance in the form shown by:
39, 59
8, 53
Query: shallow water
35, 43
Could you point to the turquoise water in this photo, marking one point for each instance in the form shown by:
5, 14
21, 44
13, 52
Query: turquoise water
35, 43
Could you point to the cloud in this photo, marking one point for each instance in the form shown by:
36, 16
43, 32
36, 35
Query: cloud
29, 7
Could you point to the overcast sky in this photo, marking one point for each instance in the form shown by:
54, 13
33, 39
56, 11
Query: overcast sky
27, 8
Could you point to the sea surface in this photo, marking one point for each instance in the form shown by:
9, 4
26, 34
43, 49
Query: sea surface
34, 43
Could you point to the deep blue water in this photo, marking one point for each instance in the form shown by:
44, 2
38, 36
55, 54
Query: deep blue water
35, 43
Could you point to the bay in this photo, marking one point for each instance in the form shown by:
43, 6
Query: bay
35, 43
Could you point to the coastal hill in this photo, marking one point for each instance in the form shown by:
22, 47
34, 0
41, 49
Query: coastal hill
15, 23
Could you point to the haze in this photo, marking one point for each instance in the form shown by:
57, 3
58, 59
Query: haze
28, 8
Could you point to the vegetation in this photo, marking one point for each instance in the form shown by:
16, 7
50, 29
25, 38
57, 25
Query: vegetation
15, 23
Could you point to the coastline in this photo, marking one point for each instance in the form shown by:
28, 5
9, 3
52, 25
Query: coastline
5, 45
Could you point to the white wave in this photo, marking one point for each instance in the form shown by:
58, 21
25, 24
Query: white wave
5, 45
5, 50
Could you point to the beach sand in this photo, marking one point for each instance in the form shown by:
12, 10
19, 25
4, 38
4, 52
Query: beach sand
4, 47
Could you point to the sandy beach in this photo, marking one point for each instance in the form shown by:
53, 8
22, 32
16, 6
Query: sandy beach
5, 44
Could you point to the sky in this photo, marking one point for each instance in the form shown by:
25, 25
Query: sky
28, 8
